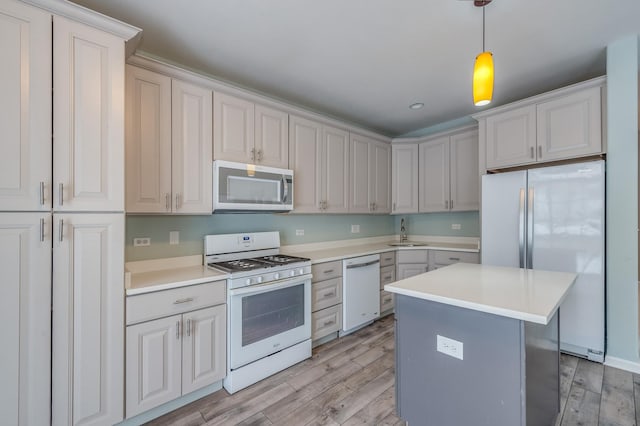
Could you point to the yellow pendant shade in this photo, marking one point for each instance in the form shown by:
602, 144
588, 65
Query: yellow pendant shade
483, 79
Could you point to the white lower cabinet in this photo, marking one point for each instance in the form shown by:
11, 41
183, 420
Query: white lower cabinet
326, 299
88, 319
172, 356
441, 258
387, 276
25, 314
411, 262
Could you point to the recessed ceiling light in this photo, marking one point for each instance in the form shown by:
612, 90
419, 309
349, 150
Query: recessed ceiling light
417, 105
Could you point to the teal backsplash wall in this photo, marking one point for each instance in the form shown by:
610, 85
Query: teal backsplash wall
317, 228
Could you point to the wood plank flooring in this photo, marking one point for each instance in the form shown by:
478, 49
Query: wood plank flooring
350, 381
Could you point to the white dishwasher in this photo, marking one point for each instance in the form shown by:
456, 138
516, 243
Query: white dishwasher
360, 292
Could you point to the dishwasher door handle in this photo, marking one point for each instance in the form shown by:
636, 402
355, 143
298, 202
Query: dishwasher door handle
362, 265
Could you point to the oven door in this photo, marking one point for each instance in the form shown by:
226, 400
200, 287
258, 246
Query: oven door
264, 319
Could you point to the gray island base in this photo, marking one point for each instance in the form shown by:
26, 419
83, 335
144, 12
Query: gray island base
484, 352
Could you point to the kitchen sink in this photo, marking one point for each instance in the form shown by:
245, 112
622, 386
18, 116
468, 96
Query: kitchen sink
407, 244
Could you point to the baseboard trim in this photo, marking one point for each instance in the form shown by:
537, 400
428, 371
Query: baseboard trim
622, 364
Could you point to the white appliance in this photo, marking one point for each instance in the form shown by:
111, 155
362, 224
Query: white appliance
360, 292
247, 187
553, 218
268, 305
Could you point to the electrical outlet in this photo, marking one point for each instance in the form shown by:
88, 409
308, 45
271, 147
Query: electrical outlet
141, 242
355, 229
174, 237
299, 232
449, 347
456, 226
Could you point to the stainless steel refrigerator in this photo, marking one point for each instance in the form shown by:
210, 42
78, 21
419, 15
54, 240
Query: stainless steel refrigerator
553, 218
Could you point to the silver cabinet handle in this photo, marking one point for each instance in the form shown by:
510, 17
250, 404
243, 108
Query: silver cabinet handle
259, 155
60, 193
386, 277
327, 295
185, 300
451, 204
539, 152
41, 229
253, 154
362, 265
326, 323
61, 226
178, 201
178, 330
454, 258
188, 327
167, 201
532, 153
328, 271
446, 204
386, 300
394, 206
42, 193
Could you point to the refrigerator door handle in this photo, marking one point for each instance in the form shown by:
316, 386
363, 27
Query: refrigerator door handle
530, 229
522, 236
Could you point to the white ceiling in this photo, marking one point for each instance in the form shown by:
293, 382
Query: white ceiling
366, 61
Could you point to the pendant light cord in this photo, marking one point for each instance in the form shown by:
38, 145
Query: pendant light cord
483, 7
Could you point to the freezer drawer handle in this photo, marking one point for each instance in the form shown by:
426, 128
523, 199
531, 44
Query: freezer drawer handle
362, 265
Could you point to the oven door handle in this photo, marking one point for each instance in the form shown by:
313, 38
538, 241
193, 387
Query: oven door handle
270, 286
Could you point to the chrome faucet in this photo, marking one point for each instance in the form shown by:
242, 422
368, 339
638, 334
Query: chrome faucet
403, 231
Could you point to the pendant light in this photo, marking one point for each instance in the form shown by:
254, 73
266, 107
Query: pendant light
483, 69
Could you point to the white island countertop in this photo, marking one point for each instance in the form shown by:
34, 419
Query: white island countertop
523, 294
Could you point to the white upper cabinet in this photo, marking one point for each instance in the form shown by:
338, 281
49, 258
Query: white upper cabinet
249, 133
369, 175
25, 312
148, 141
191, 136
404, 178
88, 124
88, 319
434, 175
511, 137
570, 126
449, 179
25, 109
319, 157
559, 125
168, 146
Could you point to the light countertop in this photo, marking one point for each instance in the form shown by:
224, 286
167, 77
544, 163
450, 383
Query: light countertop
523, 294
337, 252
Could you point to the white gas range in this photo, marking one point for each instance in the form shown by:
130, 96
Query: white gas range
268, 302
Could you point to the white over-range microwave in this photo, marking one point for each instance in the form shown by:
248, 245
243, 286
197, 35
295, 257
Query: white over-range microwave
249, 187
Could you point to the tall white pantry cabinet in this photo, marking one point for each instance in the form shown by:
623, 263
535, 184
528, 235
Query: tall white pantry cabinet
61, 214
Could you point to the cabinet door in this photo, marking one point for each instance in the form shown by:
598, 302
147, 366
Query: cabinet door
234, 129
305, 154
404, 178
406, 270
25, 314
25, 107
88, 318
148, 141
204, 350
88, 126
359, 175
434, 175
154, 351
511, 137
463, 172
272, 137
380, 176
570, 126
335, 170
192, 164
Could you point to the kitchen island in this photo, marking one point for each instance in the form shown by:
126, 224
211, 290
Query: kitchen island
479, 345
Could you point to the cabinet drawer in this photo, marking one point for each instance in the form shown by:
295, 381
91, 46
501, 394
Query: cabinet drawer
327, 270
413, 256
326, 293
387, 258
387, 275
386, 301
326, 321
148, 306
445, 257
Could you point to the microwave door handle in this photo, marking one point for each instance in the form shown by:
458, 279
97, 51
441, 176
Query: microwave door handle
285, 190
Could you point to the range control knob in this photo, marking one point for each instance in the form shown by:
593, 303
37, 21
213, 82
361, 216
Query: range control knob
301, 271
248, 281
292, 272
276, 276
259, 279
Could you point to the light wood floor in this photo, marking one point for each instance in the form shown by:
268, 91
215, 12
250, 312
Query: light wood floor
350, 381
